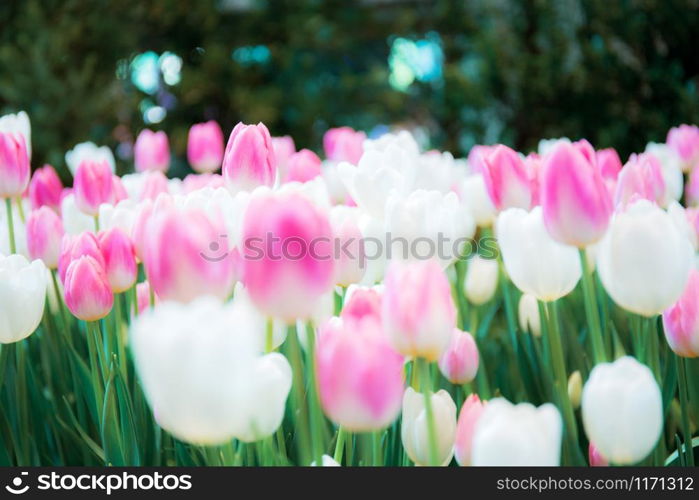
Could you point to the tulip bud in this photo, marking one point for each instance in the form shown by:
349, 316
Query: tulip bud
595, 457
528, 309
349, 265
303, 166
119, 259
575, 388
360, 376
517, 435
481, 280
143, 296
622, 410
14, 165
23, 293
418, 309
344, 144
87, 292
45, 188
415, 429
151, 151
73, 247
361, 302
92, 186
506, 178
459, 363
684, 140
19, 125
471, 411
681, 321
608, 163
249, 158
44, 235
641, 177
205, 147
283, 147
89, 151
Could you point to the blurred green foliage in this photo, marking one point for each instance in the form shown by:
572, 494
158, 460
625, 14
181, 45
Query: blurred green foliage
619, 73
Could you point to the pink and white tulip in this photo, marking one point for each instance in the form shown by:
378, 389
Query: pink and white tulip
595, 457
45, 188
205, 147
641, 177
303, 166
459, 363
44, 235
151, 151
73, 247
465, 428
344, 144
14, 165
684, 140
87, 291
119, 259
681, 321
249, 160
92, 186
506, 178
283, 147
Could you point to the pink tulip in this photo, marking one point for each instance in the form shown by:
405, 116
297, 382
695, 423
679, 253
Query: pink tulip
14, 165
534, 166
73, 247
119, 259
681, 321
186, 255
360, 377
151, 151
205, 146
154, 184
140, 225
506, 178
287, 255
120, 192
45, 188
609, 163
465, 428
684, 140
476, 157
143, 296
596, 459
249, 160
586, 149
574, 199
283, 147
641, 177
459, 363
344, 144
418, 310
303, 166
44, 235
92, 186
194, 182
362, 302
87, 292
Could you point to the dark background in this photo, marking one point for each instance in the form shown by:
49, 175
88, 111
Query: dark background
619, 73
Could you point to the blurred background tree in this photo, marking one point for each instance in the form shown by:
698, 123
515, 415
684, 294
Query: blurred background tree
465, 72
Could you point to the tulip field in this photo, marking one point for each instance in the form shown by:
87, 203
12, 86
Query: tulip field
370, 304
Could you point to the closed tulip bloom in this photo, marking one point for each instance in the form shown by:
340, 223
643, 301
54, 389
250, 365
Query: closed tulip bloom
595, 457
205, 147
528, 314
641, 177
18, 124
249, 160
574, 198
14, 165
506, 178
92, 186
536, 263
44, 235
414, 427
362, 301
517, 435
74, 220
287, 255
151, 151
575, 388
418, 310
644, 259
459, 363
73, 247
681, 321
344, 144
87, 292
360, 376
45, 188
476, 199
89, 151
154, 185
119, 259
471, 411
622, 410
22, 297
143, 296
349, 264
303, 166
608, 163
481, 280
283, 147
684, 140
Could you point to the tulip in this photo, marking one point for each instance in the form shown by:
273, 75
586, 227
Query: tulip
14, 165
154, 184
481, 280
206, 343
517, 435
205, 147
608, 163
22, 297
575, 388
73, 247
19, 125
86, 288
644, 259
574, 199
418, 311
303, 166
622, 410
360, 376
681, 321
596, 459
471, 412
361, 302
506, 178
344, 144
194, 182
535, 262
45, 188
414, 427
476, 158
287, 255
534, 166
44, 235
349, 265
641, 177
528, 314
671, 166
326, 461
249, 159
74, 220
684, 140
459, 363
119, 259
93, 185
151, 151
143, 296
476, 199
283, 147
89, 151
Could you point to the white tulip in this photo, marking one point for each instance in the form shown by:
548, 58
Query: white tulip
18, 123
89, 151
679, 217
437, 171
22, 297
622, 410
74, 221
481, 280
349, 265
644, 259
122, 215
414, 429
536, 263
671, 165
517, 435
327, 461
476, 199
529, 319
336, 189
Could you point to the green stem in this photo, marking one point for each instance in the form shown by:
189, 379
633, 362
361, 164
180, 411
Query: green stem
10, 226
269, 335
316, 417
22, 397
592, 311
684, 406
97, 223
299, 411
429, 411
65, 322
378, 450
339, 444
